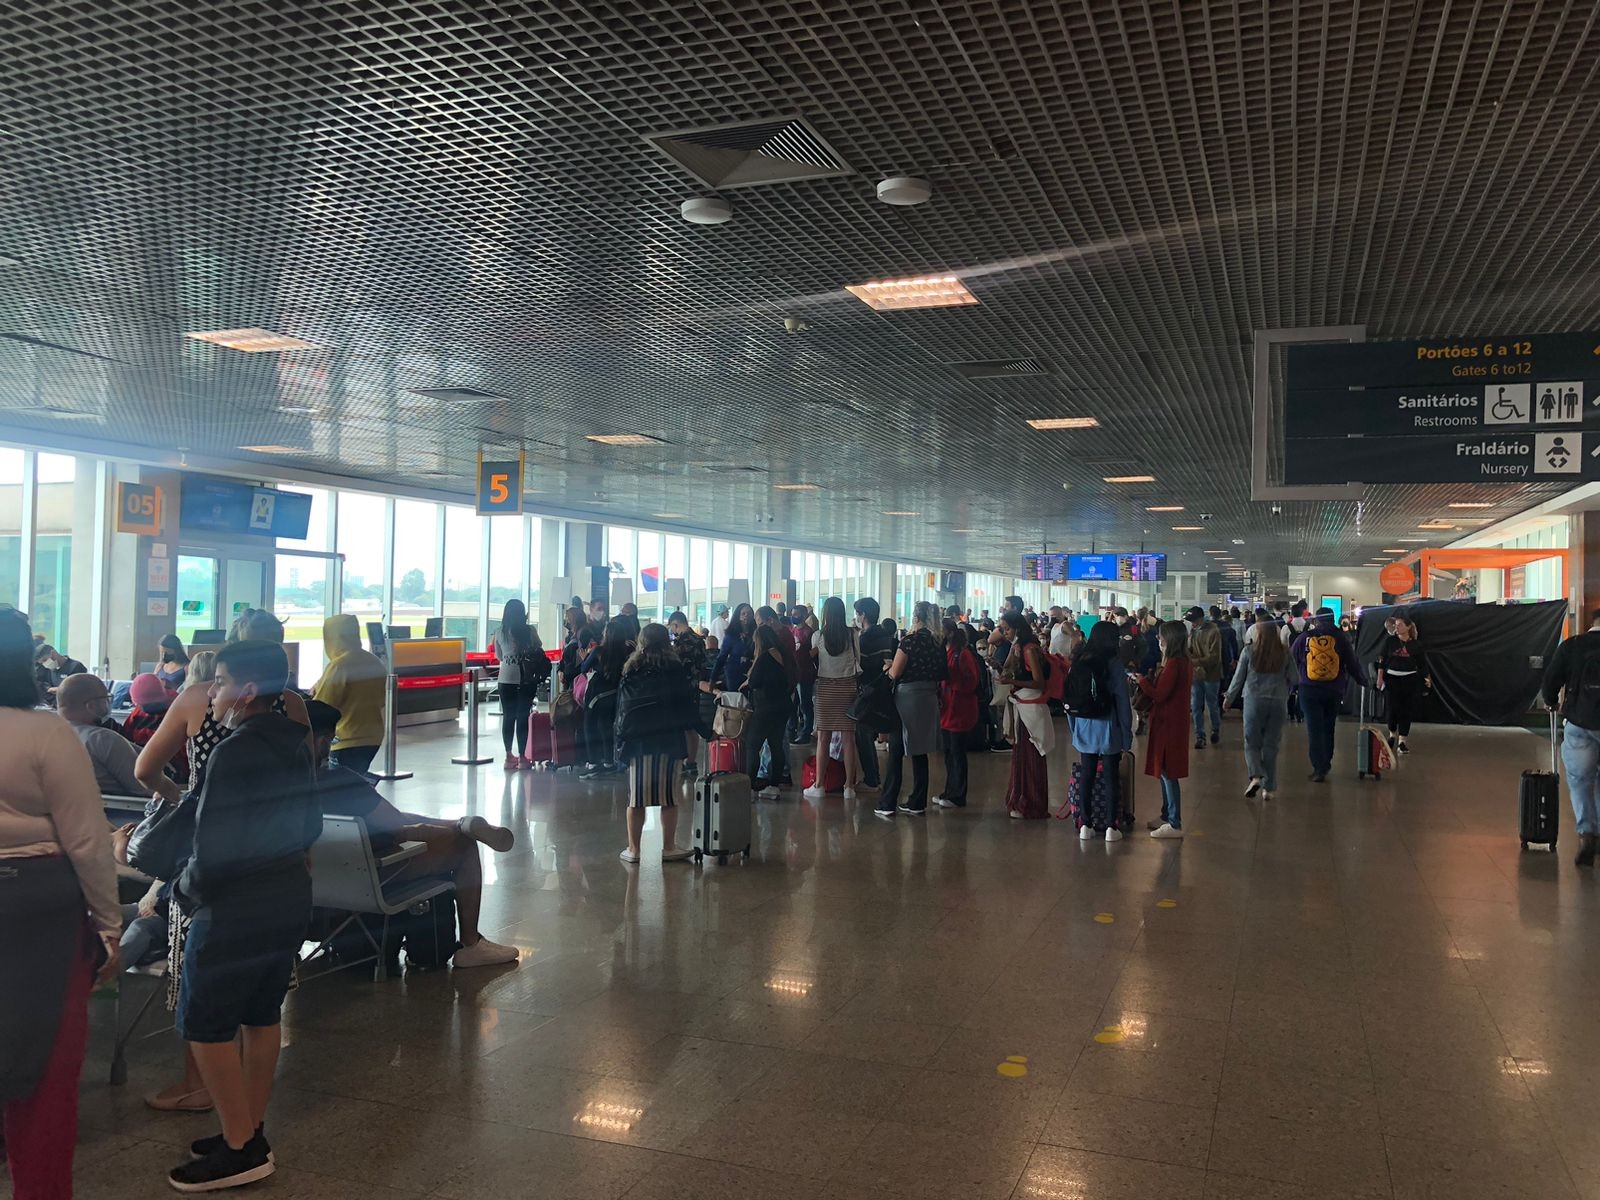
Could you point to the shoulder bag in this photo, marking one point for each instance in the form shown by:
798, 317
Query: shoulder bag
164, 837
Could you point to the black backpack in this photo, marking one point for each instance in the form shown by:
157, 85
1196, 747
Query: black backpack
985, 685
1088, 691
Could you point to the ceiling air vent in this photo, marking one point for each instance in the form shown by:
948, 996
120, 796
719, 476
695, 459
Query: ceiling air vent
999, 368
459, 395
751, 153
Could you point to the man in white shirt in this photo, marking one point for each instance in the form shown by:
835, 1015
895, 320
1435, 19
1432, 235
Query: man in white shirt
1060, 621
85, 703
719, 624
1289, 622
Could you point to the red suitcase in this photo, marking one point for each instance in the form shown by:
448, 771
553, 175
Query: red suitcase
541, 745
722, 756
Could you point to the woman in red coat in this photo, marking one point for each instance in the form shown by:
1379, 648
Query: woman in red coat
958, 713
1166, 755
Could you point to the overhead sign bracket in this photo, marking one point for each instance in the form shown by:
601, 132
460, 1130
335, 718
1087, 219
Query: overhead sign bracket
1261, 413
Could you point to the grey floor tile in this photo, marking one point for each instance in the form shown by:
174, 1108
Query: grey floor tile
936, 1164
1054, 1172
1120, 1125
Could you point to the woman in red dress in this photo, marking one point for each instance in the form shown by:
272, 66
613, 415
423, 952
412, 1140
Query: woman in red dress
1166, 754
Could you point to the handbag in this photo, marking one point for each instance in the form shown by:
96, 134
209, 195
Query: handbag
164, 838
873, 708
733, 715
580, 688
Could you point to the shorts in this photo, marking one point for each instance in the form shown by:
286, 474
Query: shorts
237, 967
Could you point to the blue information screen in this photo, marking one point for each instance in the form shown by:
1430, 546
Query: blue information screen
1092, 567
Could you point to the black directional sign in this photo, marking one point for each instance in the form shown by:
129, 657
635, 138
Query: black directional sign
1232, 583
1570, 456
1446, 410
1496, 359
1470, 408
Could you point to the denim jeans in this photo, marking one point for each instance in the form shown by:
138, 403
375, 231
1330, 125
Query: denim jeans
1263, 736
1204, 696
1321, 710
1171, 802
1580, 755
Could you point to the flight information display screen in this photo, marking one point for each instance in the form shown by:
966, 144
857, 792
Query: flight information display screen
1045, 568
1142, 568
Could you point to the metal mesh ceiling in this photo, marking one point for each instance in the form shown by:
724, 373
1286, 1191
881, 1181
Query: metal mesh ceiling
448, 195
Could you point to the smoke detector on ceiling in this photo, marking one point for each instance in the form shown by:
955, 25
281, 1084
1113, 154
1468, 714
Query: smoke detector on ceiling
705, 210
905, 190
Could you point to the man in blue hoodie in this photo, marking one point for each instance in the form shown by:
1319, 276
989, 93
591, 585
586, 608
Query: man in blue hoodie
1327, 664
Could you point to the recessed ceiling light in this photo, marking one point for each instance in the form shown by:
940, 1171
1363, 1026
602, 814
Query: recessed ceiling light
1396, 550
1238, 541
671, 516
1129, 478
623, 439
270, 449
1436, 525
252, 341
1224, 553
963, 531
925, 291
1163, 508
1187, 528
1064, 423
888, 513
1413, 539
797, 487
1471, 504
298, 410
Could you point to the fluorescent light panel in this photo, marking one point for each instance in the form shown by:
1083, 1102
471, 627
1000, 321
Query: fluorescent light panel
887, 513
924, 291
1064, 423
797, 487
252, 341
269, 449
1129, 478
623, 439
1187, 528
1471, 504
1163, 508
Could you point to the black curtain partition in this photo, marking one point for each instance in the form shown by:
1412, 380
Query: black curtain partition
1487, 660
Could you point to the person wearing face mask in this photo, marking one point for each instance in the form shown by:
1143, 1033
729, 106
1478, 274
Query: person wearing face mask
173, 663
247, 889
50, 667
86, 705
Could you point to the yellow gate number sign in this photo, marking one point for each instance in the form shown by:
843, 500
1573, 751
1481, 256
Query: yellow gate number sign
139, 508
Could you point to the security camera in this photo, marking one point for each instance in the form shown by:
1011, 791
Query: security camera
1205, 516
1277, 510
794, 325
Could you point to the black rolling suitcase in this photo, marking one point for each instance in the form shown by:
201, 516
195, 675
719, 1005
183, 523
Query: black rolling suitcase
1541, 801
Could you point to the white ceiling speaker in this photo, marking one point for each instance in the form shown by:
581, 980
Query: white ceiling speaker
705, 210
905, 190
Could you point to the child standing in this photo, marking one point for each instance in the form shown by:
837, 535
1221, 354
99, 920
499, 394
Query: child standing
1166, 755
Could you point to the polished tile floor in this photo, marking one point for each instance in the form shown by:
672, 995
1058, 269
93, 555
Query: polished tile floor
1358, 990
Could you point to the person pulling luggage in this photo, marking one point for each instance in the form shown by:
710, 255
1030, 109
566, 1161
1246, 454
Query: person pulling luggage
1572, 688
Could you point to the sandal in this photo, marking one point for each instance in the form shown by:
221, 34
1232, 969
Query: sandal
182, 1102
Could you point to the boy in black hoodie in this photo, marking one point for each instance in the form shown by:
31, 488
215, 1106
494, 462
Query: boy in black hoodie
248, 887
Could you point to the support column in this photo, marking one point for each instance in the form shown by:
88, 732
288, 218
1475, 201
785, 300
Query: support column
132, 630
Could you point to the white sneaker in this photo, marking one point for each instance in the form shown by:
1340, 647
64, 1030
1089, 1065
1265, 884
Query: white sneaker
1167, 831
1252, 787
939, 800
1266, 795
811, 793
768, 793
676, 854
627, 855
849, 793
497, 837
1113, 834
484, 953
1086, 833
1014, 815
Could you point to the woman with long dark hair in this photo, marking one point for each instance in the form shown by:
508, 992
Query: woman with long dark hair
523, 667
1101, 735
736, 650
838, 658
770, 689
604, 664
958, 712
1166, 754
173, 662
1028, 789
657, 706
1264, 677
59, 921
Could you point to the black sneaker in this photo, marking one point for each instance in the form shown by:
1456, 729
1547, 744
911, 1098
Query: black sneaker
1586, 848
1400, 745
1317, 777
224, 1168
1199, 743
914, 811
1215, 738
201, 1147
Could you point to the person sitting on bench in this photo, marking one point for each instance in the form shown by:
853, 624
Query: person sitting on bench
452, 851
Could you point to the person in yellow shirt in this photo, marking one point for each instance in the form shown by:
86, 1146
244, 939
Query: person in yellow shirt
354, 682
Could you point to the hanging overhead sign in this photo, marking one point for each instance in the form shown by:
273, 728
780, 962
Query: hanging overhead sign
500, 486
1444, 410
1554, 457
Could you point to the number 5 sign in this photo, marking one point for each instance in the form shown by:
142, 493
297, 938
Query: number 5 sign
499, 486
139, 508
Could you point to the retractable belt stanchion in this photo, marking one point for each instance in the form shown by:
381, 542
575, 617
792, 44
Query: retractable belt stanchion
472, 758
389, 710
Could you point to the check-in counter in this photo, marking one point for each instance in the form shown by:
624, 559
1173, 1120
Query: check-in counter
429, 678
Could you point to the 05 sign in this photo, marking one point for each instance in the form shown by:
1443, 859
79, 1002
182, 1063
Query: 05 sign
499, 486
139, 508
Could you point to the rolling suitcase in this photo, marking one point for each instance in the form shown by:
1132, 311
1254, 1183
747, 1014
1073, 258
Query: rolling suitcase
540, 744
563, 743
1372, 748
722, 817
1541, 801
